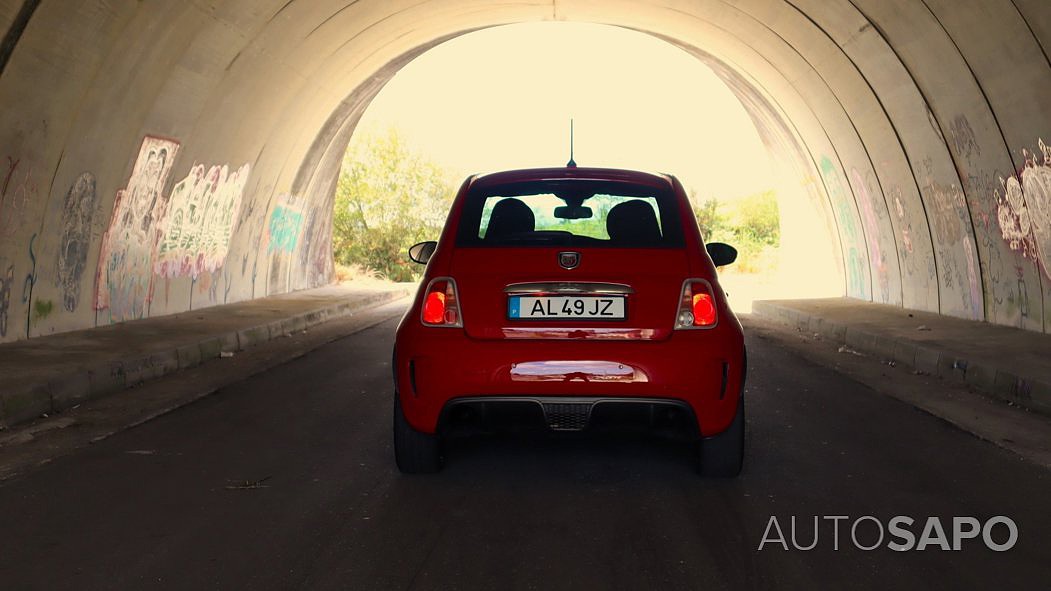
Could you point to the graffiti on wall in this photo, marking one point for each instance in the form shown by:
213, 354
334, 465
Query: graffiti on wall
29, 283
1003, 272
124, 278
17, 188
977, 300
872, 230
285, 224
951, 226
1014, 219
948, 204
203, 209
7, 279
315, 255
906, 226
855, 263
916, 262
1023, 205
78, 214
963, 137
284, 234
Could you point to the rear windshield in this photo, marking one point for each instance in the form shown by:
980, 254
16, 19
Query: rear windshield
570, 213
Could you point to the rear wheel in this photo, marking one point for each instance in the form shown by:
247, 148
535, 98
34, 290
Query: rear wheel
414, 452
722, 455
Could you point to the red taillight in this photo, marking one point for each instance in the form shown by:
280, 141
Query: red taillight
697, 307
440, 304
703, 310
434, 308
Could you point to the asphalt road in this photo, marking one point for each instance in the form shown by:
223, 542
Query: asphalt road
287, 480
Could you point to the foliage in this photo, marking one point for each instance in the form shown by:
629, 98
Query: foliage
595, 226
757, 219
709, 218
388, 198
354, 272
750, 224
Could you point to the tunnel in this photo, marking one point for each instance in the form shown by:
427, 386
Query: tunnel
160, 157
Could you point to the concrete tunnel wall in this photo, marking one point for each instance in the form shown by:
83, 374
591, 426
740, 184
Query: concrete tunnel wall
165, 156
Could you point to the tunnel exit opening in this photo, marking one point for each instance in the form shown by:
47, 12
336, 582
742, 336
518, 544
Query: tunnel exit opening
501, 98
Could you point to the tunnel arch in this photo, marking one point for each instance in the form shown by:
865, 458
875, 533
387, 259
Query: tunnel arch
166, 156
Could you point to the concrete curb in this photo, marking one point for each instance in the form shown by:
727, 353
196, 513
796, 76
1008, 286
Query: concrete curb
981, 374
69, 386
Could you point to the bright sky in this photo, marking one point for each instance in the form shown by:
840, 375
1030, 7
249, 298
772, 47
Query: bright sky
502, 98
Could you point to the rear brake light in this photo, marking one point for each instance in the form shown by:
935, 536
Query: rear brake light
697, 308
441, 306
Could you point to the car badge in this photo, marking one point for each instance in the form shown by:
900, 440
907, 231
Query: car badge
569, 260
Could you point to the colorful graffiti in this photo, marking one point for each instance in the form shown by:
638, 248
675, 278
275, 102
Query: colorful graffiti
123, 283
872, 230
203, 209
1013, 216
1003, 273
857, 285
1024, 207
1036, 184
78, 214
285, 224
917, 263
284, 233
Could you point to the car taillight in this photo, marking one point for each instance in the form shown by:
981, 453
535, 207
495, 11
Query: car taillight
697, 307
440, 303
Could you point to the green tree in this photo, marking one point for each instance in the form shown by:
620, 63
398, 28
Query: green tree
758, 218
389, 197
710, 218
750, 224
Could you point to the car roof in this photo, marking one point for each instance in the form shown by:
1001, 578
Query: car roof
564, 173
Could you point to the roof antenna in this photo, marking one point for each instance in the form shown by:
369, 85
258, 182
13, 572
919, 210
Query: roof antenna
571, 163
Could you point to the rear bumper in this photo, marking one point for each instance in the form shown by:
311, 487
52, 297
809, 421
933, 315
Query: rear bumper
438, 368
671, 418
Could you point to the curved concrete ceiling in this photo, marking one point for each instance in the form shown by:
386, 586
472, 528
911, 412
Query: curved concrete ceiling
162, 156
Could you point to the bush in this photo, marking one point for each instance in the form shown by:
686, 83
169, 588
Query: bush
751, 225
388, 198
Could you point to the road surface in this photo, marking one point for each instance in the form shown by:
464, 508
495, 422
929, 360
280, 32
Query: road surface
287, 480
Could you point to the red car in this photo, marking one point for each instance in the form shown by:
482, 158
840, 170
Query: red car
570, 299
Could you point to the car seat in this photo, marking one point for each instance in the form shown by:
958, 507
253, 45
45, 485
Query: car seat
509, 217
633, 223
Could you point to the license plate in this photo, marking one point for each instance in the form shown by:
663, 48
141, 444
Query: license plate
582, 307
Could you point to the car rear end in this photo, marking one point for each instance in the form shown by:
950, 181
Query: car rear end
606, 310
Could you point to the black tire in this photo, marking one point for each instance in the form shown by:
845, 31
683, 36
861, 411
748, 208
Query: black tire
722, 455
414, 452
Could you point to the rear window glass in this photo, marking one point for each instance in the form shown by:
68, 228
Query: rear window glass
570, 213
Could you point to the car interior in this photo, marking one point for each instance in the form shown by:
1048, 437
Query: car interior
631, 223
509, 217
